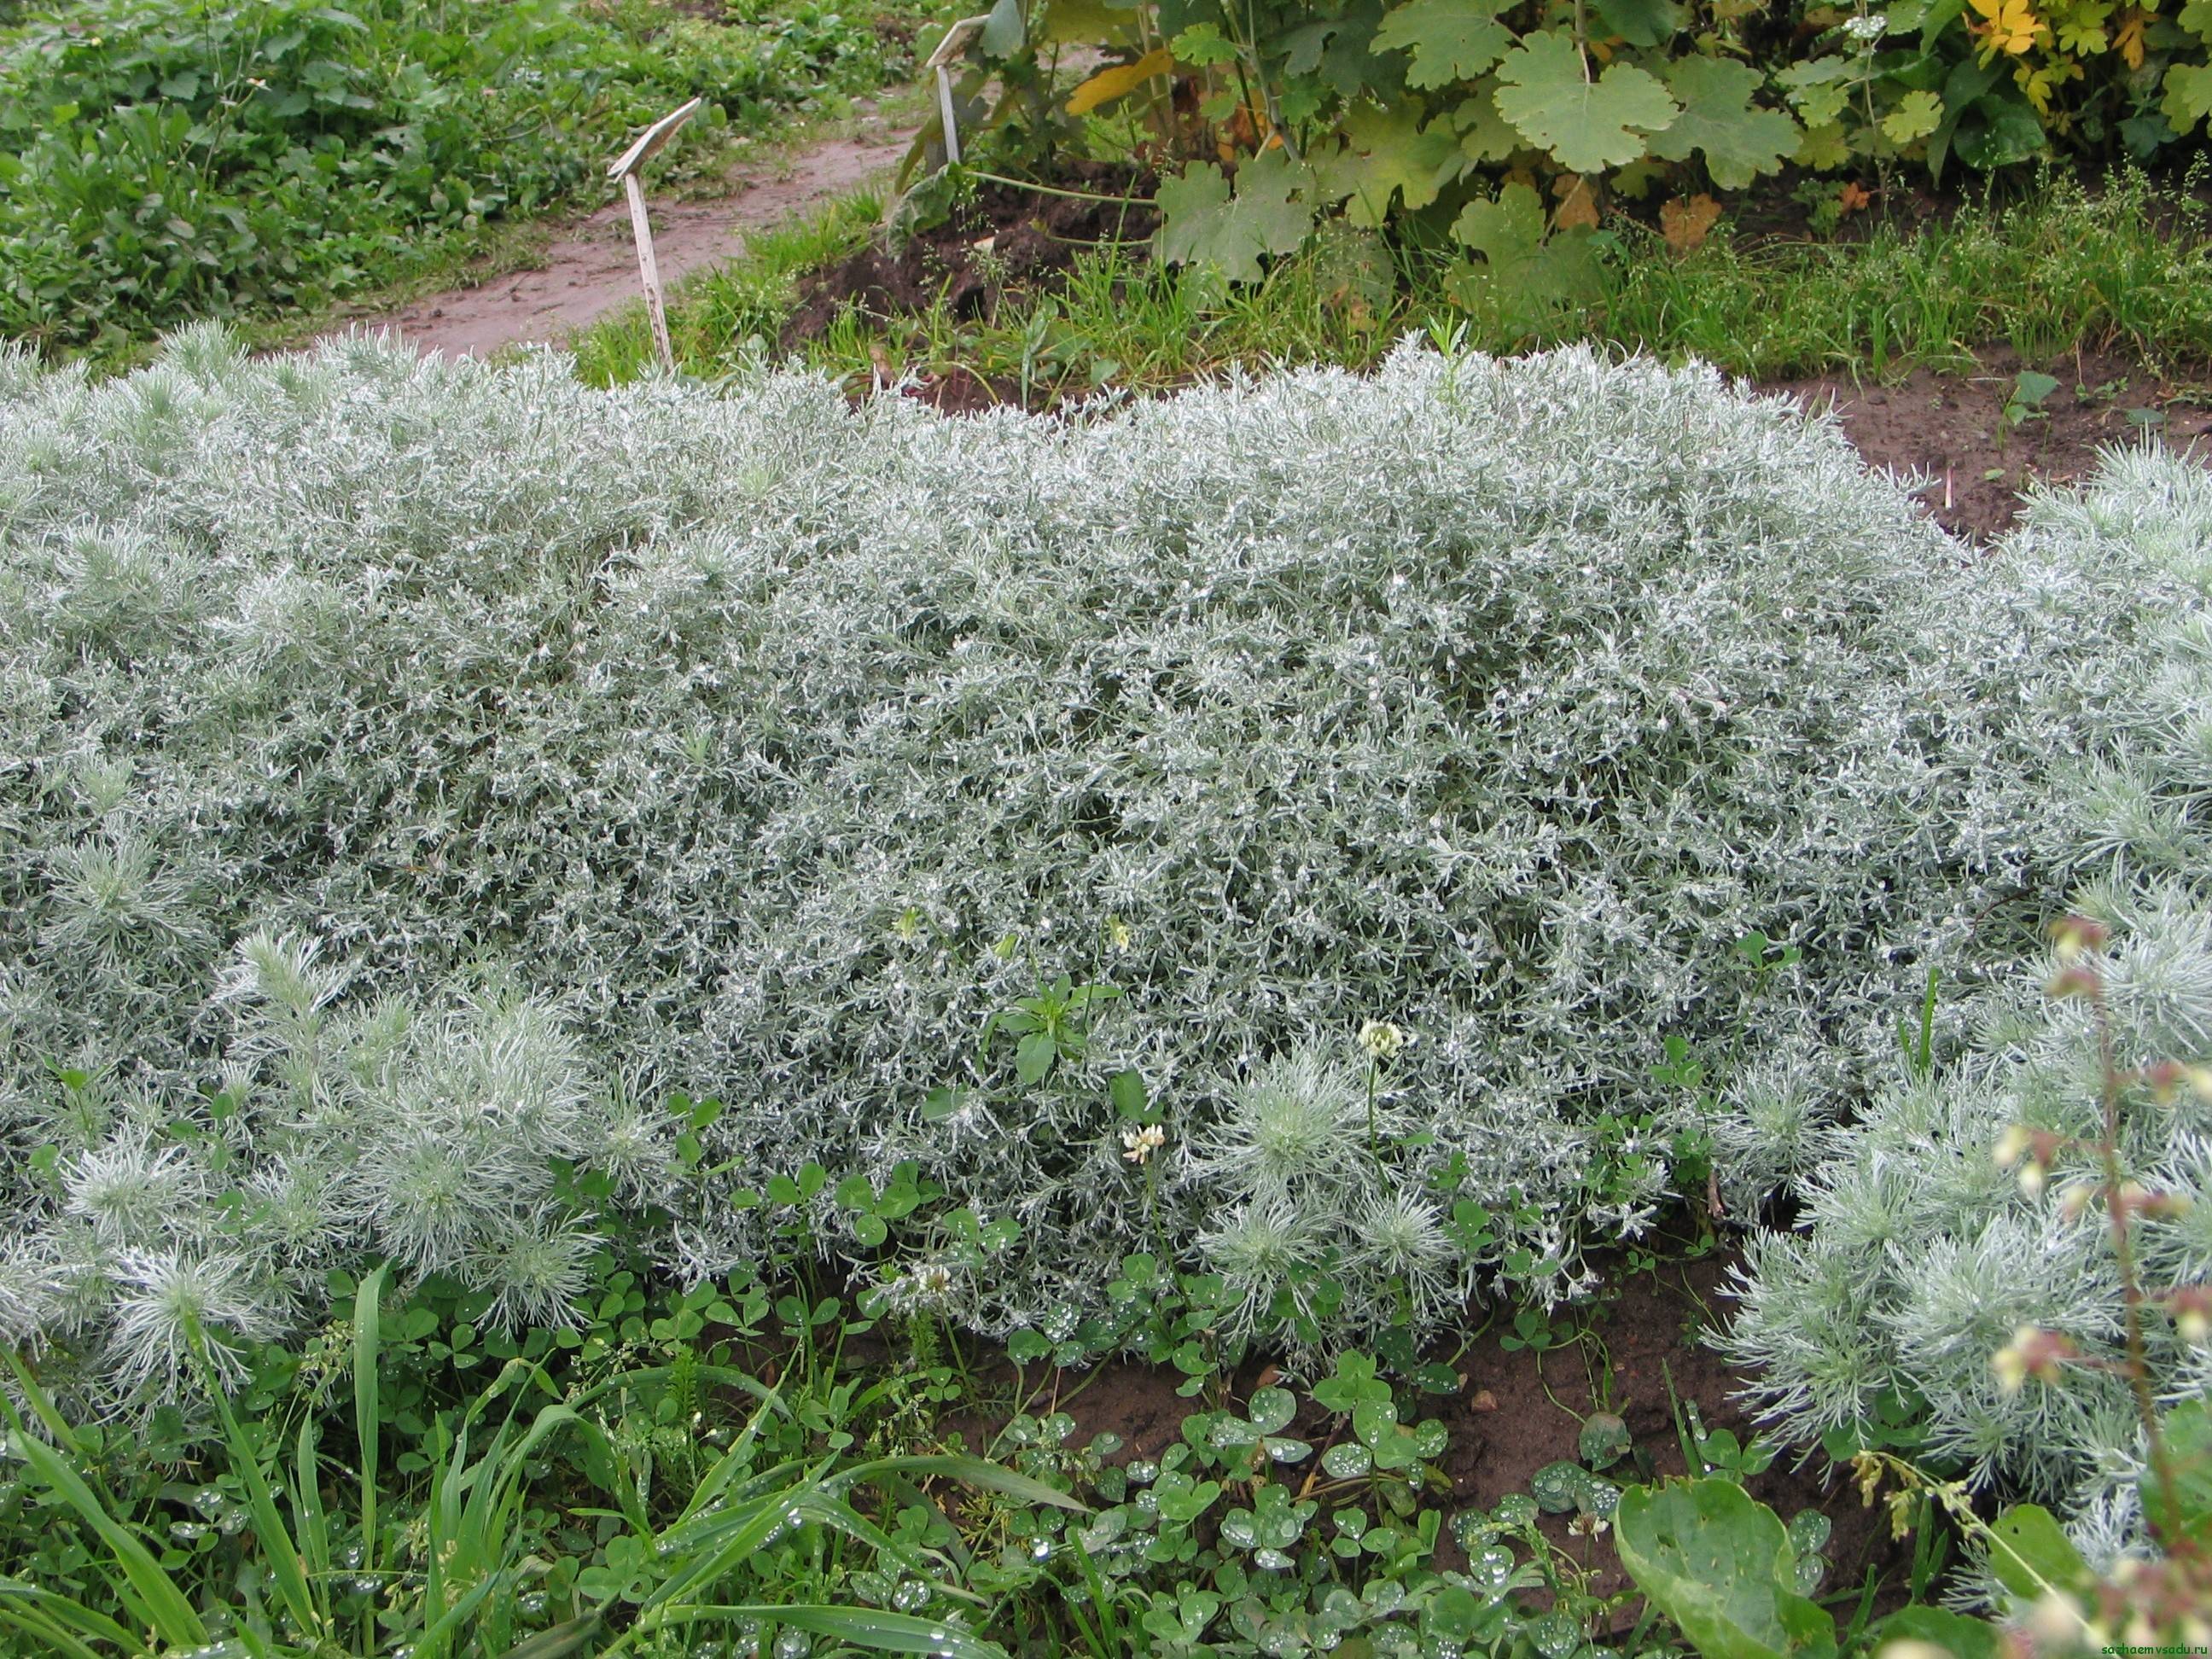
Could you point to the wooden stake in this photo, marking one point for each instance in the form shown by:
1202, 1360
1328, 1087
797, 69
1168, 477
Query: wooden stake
627, 167
648, 271
949, 51
944, 109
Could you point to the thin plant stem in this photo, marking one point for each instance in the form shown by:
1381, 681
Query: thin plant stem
2131, 1297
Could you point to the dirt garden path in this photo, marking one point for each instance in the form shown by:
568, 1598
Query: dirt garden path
590, 267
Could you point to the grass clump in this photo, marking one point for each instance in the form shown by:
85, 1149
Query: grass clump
2127, 266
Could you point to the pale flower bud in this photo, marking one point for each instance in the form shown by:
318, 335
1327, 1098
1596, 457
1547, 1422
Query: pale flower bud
2054, 1623
1381, 1039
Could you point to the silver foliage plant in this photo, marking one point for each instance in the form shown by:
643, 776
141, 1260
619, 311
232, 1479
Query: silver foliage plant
762, 746
1915, 1255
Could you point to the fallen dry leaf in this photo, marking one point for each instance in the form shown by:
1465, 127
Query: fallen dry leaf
1577, 201
1687, 221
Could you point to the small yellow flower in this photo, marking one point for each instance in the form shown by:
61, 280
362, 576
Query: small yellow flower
1117, 933
1900, 1513
2074, 1198
1866, 1470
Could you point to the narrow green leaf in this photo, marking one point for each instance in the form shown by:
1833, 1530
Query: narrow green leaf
367, 1344
887, 1632
159, 1603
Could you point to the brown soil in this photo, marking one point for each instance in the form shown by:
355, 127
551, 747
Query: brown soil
1002, 239
590, 268
1952, 430
1517, 1412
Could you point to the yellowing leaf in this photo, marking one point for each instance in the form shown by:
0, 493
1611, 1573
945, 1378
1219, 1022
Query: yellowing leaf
1823, 147
2081, 27
1119, 81
2008, 25
2128, 39
1388, 152
1588, 123
1687, 221
2041, 80
1917, 115
1819, 87
1083, 22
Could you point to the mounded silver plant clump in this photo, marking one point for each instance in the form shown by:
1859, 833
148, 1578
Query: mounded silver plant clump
441, 762
1917, 1254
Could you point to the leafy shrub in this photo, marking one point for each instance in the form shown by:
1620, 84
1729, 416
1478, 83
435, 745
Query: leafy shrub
771, 748
165, 160
1919, 1256
1508, 127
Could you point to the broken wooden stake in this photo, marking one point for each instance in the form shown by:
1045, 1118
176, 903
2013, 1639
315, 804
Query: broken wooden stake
627, 167
949, 51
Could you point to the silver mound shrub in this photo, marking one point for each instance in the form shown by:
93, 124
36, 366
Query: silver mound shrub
414, 770
1915, 1256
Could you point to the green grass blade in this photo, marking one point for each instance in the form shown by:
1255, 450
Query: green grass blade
50, 1636
309, 1517
576, 1636
727, 1465
159, 1601
970, 1470
863, 1627
58, 1619
367, 1343
278, 1550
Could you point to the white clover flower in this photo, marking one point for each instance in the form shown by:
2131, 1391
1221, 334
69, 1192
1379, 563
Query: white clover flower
1141, 1143
1381, 1040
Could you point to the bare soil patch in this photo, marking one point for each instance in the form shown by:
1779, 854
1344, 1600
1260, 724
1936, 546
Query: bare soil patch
1001, 241
590, 267
1952, 430
1518, 1411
